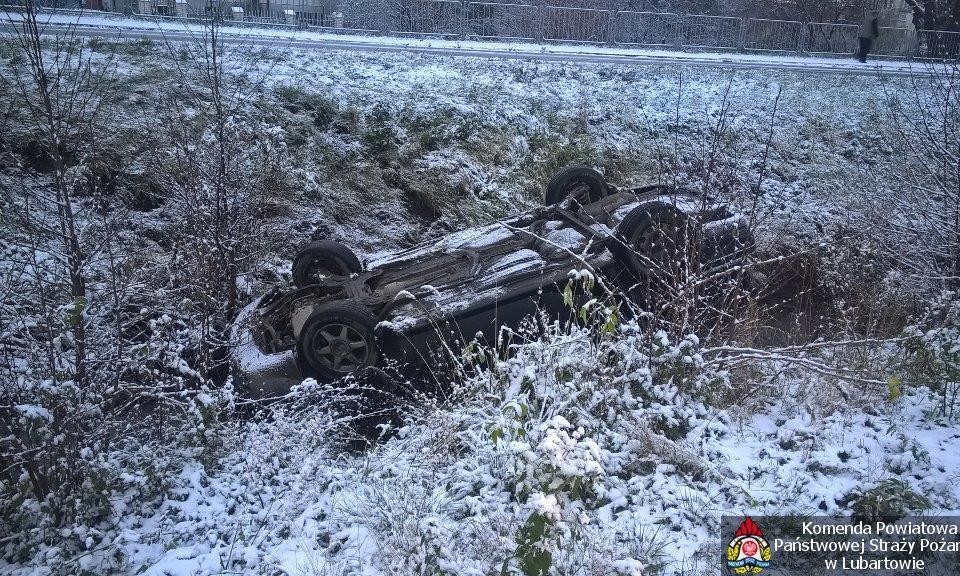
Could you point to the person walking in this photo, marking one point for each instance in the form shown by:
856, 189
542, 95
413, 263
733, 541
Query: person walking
869, 32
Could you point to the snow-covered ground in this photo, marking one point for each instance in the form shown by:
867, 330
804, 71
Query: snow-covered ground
492, 132
99, 24
631, 468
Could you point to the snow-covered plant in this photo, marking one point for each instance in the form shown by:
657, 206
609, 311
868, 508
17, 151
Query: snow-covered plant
52, 388
379, 133
218, 169
889, 499
920, 210
100, 391
576, 404
933, 348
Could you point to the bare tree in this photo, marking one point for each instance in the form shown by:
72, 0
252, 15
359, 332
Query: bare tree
921, 208
936, 14
54, 88
218, 170
59, 88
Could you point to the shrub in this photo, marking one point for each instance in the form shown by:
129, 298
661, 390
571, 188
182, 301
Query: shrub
933, 351
380, 135
889, 500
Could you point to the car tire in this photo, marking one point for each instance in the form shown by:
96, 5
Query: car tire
657, 241
323, 257
584, 184
336, 340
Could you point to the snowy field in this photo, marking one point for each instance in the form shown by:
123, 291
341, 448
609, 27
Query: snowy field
443, 495
494, 131
618, 456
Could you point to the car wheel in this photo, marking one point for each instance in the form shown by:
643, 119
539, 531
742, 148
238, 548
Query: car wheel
323, 258
337, 339
584, 185
657, 242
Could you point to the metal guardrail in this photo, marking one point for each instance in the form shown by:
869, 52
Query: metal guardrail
586, 25
772, 35
824, 38
722, 32
655, 29
491, 20
362, 16
937, 45
894, 42
432, 17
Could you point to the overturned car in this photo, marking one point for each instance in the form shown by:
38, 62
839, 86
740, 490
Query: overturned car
342, 316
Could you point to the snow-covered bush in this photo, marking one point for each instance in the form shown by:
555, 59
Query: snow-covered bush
565, 419
106, 389
933, 351
918, 210
889, 499
379, 135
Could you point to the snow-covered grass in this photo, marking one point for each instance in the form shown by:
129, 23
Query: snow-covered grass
609, 447
385, 148
391, 147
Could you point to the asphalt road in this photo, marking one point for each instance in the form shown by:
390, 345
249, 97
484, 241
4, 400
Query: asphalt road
279, 38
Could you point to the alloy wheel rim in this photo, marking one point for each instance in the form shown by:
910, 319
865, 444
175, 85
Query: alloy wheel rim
341, 348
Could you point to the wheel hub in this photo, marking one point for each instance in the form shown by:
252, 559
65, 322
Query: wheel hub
342, 348
320, 271
658, 245
579, 191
